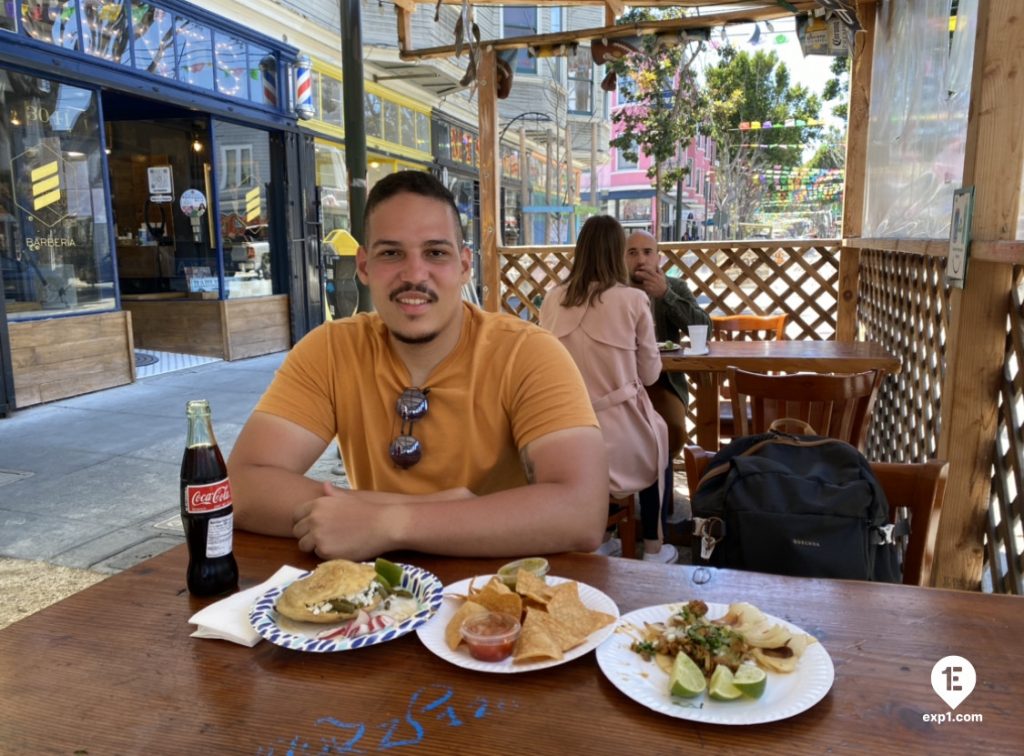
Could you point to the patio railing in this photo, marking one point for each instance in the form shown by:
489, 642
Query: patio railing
902, 304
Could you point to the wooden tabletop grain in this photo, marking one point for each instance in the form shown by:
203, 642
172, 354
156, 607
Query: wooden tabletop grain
113, 670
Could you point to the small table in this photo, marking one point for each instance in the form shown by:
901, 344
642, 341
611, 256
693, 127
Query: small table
768, 356
112, 669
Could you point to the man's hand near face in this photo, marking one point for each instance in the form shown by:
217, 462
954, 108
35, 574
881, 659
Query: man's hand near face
652, 280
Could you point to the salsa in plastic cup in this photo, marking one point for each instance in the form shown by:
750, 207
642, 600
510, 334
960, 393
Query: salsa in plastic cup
491, 637
537, 565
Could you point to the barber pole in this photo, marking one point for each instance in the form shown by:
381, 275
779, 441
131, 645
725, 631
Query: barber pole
268, 72
304, 88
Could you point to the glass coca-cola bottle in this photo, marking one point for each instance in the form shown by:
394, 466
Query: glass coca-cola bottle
206, 511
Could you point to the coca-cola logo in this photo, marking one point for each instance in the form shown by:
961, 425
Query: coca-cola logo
209, 497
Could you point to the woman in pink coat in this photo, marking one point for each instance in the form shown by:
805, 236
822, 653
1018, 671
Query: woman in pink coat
607, 327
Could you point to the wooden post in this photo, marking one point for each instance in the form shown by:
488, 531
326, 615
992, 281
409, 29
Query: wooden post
487, 104
977, 330
856, 164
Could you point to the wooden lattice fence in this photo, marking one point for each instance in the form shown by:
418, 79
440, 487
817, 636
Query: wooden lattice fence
903, 304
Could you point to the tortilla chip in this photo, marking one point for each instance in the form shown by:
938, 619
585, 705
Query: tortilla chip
566, 607
497, 597
452, 633
532, 587
540, 638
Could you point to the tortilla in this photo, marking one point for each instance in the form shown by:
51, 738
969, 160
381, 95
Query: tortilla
541, 638
336, 579
566, 607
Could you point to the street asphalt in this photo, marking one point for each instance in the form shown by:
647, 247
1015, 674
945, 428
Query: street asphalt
93, 481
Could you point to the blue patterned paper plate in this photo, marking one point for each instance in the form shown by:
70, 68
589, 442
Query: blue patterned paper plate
307, 636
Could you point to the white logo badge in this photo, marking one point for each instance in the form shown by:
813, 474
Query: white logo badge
953, 679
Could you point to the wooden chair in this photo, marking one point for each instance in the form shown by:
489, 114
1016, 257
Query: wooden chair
835, 405
622, 516
743, 327
914, 491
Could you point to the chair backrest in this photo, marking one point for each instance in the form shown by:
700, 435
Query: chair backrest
833, 404
920, 489
913, 490
747, 327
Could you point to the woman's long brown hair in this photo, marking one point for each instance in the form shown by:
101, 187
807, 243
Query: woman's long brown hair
598, 263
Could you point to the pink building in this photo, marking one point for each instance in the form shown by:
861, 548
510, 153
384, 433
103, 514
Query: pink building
625, 191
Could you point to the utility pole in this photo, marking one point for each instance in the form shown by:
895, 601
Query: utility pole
355, 146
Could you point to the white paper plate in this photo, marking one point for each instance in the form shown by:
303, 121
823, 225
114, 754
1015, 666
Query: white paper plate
309, 636
667, 346
785, 695
432, 633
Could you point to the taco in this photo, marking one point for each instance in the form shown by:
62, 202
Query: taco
336, 591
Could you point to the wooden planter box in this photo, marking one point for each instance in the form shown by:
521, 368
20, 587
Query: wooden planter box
61, 357
231, 329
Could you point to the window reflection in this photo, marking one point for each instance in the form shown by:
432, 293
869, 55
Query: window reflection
51, 22
106, 28
154, 39
195, 52
55, 252
231, 76
243, 193
372, 112
333, 112
263, 80
391, 128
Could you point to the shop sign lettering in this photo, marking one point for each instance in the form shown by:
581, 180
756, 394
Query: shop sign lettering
35, 243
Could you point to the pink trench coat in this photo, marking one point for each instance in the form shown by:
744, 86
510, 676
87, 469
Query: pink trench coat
612, 342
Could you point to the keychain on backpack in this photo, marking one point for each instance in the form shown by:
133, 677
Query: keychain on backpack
705, 527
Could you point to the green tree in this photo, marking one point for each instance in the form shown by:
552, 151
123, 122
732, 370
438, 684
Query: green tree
659, 83
746, 88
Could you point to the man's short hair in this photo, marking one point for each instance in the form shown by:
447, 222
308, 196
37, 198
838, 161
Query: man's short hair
410, 182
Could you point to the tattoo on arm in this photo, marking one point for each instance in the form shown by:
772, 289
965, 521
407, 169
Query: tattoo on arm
524, 457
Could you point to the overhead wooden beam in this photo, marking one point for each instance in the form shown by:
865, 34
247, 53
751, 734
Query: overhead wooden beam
614, 7
403, 15
976, 338
666, 26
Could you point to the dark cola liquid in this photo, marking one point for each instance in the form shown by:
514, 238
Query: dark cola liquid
207, 516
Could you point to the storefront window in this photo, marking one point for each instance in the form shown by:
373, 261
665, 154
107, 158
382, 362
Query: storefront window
263, 79
331, 178
51, 22
315, 95
230, 72
106, 29
408, 127
423, 132
333, 111
391, 128
154, 39
7, 16
195, 53
55, 251
372, 112
243, 194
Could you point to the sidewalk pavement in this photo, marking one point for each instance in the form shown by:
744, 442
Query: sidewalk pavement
93, 481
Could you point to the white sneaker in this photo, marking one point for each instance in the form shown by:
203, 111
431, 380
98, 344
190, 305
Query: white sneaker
610, 548
666, 555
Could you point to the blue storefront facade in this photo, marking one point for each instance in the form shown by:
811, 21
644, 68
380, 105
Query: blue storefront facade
153, 183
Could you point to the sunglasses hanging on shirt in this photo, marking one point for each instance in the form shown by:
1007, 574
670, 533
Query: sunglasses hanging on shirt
411, 406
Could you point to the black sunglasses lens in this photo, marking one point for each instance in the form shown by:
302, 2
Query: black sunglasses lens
405, 451
412, 404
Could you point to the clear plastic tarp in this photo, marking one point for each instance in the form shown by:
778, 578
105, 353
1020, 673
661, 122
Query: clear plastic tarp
920, 93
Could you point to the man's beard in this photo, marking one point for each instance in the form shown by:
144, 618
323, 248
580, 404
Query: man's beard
424, 339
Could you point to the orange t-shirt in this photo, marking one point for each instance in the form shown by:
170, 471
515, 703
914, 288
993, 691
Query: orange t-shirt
505, 384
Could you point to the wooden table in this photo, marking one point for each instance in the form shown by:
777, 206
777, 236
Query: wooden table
113, 670
768, 356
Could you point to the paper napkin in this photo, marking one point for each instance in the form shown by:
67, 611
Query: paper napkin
228, 619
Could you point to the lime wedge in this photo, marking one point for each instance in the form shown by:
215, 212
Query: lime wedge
390, 571
686, 680
750, 680
722, 688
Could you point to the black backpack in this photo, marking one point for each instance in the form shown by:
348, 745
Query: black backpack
795, 505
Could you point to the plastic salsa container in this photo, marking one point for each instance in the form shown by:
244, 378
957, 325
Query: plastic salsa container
491, 636
537, 565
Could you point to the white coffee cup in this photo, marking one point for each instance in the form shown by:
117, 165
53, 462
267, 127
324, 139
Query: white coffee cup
698, 338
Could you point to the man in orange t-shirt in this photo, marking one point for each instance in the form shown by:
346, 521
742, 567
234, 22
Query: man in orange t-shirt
463, 432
